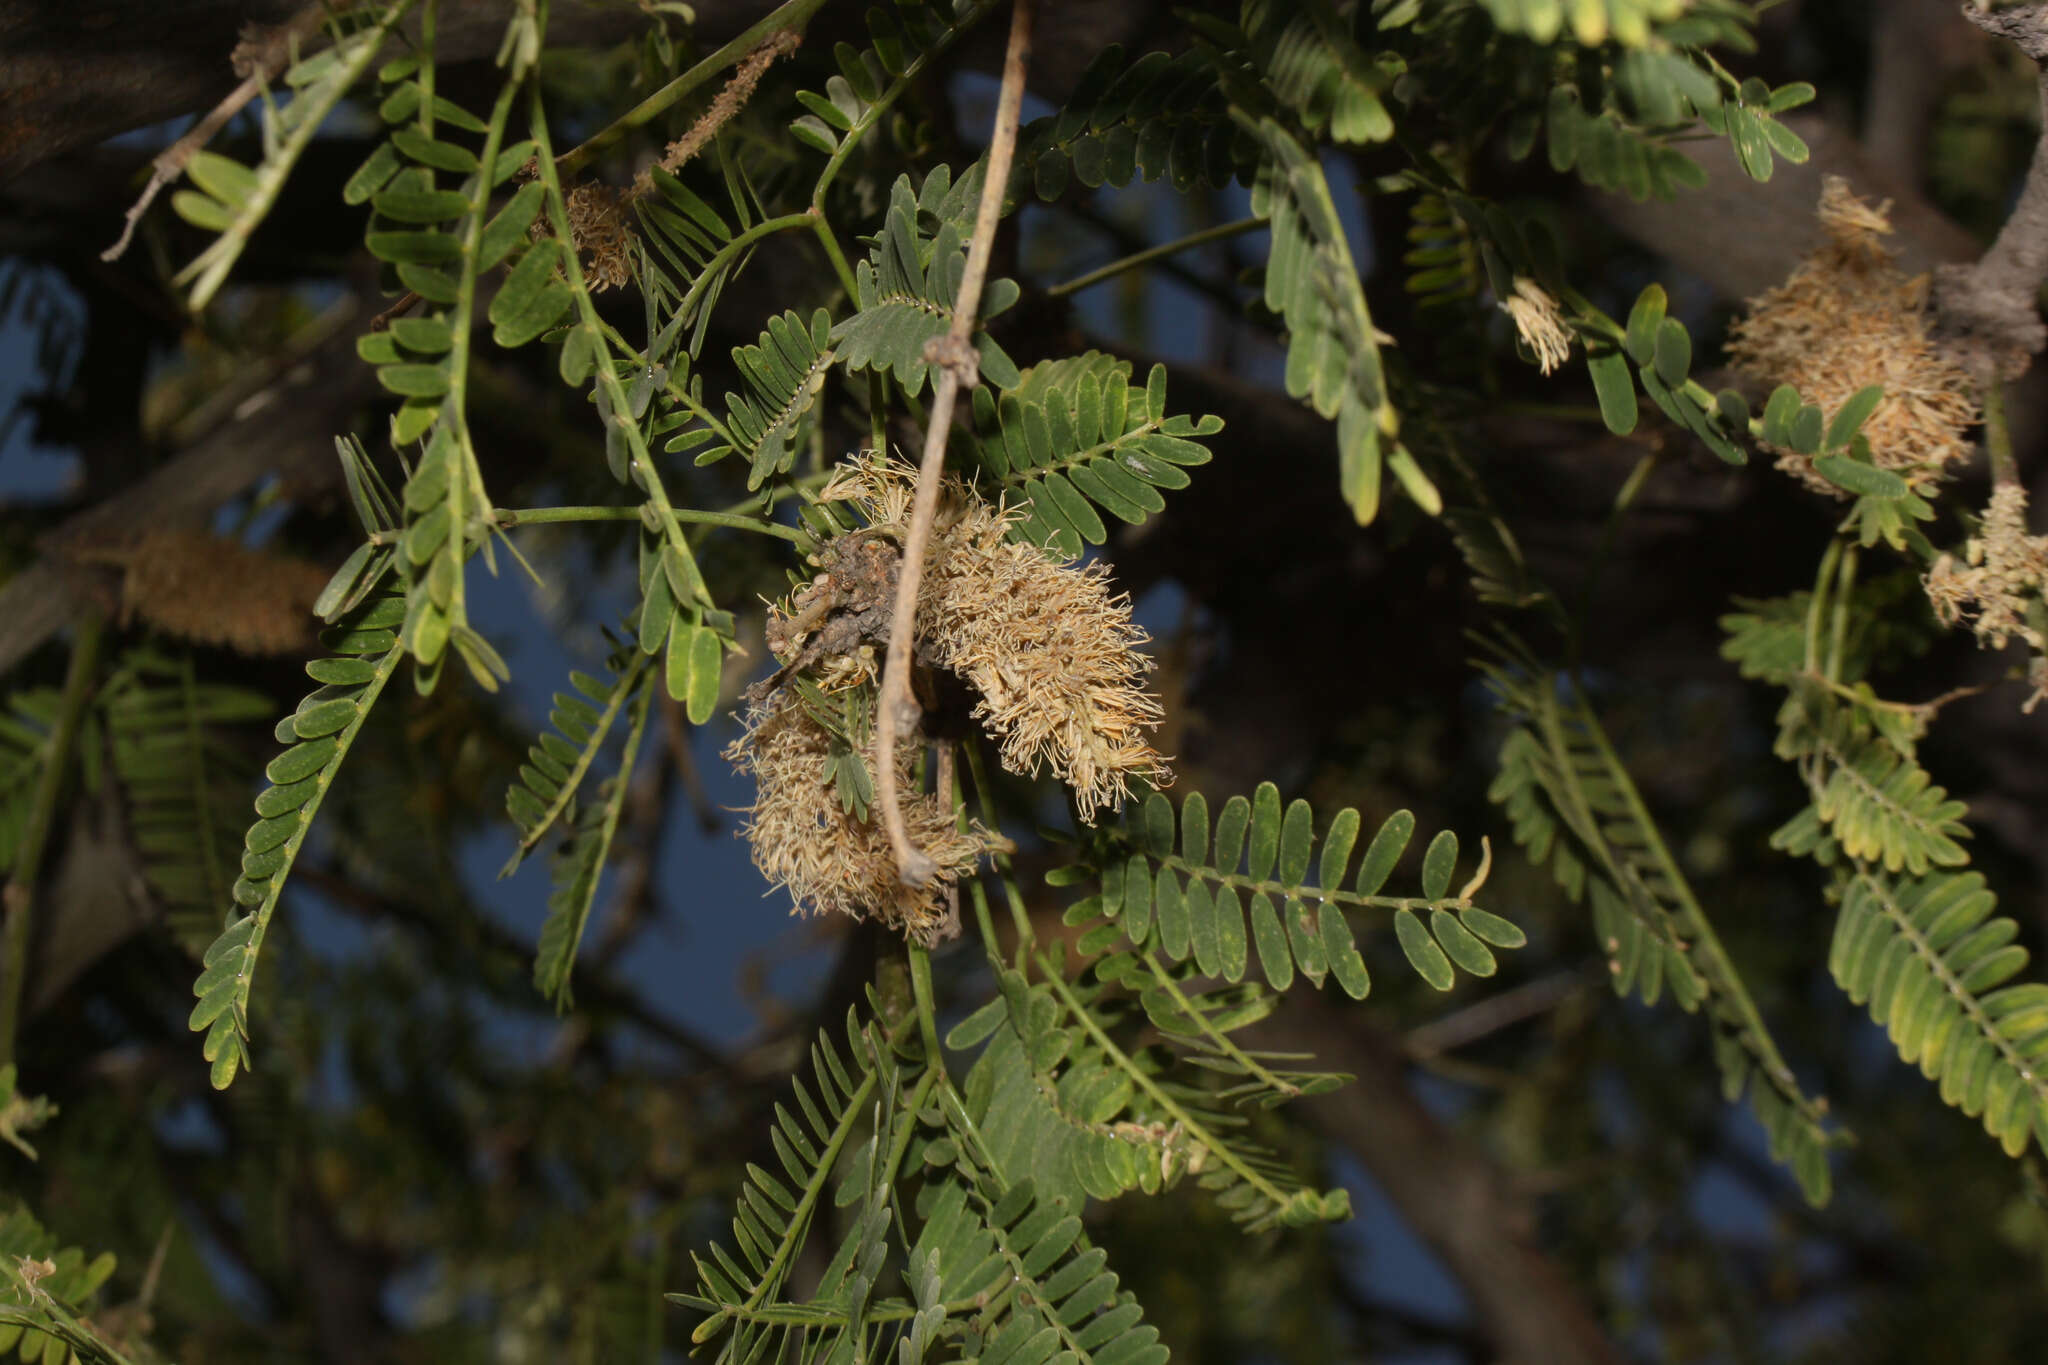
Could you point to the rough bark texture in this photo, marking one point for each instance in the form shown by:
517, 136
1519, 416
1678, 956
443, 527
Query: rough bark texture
1990, 312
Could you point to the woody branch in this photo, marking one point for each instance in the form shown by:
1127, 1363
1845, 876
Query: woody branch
956, 364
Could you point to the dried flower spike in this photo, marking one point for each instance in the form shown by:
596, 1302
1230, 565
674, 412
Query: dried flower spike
212, 591
597, 225
1049, 646
831, 860
1539, 323
1999, 585
1849, 318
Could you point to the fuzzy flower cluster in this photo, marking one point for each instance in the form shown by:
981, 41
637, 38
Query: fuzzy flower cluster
1048, 646
1849, 318
1999, 584
597, 225
1539, 322
804, 838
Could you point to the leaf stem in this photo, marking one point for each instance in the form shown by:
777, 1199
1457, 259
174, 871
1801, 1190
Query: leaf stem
1221, 232
921, 988
465, 474
1190, 1124
505, 518
984, 797
957, 364
19, 899
1217, 1039
829, 239
1705, 951
614, 395
2005, 468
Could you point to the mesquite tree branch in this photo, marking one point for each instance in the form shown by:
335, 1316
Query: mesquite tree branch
1988, 311
955, 366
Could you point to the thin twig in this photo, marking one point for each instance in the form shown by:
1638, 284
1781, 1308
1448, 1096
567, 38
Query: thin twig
2005, 467
1221, 232
956, 365
259, 65
1466, 1026
948, 789
406, 302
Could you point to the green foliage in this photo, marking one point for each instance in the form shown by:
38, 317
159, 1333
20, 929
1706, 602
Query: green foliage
580, 862
438, 243
1187, 896
1060, 1101
1627, 21
233, 199
1611, 154
902, 46
1915, 939
1662, 351
184, 782
1155, 117
1574, 806
557, 763
1313, 66
1125, 1066
1442, 256
741, 1289
25, 726
21, 1114
1332, 347
701, 249
1931, 961
1872, 802
784, 374
319, 733
44, 1288
905, 290
1075, 434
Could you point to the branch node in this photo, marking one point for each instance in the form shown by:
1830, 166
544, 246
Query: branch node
956, 356
958, 367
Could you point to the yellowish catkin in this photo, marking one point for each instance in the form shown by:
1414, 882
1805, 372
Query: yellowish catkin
213, 591
1848, 318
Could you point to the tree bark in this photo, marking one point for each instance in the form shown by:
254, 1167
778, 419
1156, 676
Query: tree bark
1450, 1193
